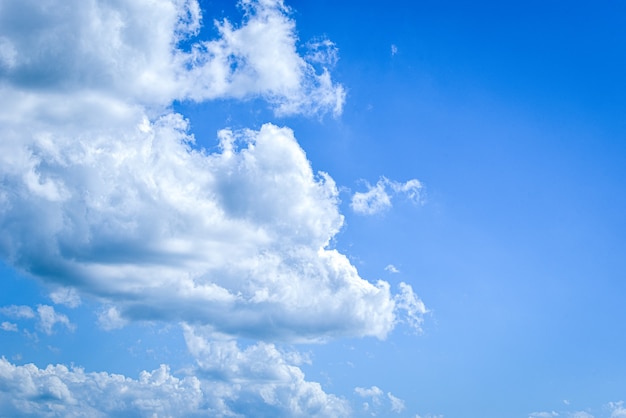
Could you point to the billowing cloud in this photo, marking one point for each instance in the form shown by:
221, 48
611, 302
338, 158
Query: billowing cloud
131, 51
180, 234
128, 210
378, 197
59, 391
104, 194
259, 380
267, 378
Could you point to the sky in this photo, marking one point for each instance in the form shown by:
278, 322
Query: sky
266, 208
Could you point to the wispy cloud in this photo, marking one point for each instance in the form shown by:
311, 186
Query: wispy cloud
377, 401
45, 315
8, 326
378, 197
392, 269
66, 296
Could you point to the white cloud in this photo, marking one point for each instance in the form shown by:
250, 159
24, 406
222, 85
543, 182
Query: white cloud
180, 234
17, 311
543, 414
58, 391
266, 377
397, 404
66, 296
260, 58
257, 381
129, 211
617, 409
392, 269
394, 50
378, 198
130, 50
375, 200
8, 326
413, 307
376, 397
374, 392
110, 318
580, 414
323, 52
46, 316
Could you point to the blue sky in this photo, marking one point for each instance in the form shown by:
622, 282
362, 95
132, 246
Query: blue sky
409, 209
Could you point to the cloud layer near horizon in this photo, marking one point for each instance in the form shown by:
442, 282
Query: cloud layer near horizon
127, 209
228, 381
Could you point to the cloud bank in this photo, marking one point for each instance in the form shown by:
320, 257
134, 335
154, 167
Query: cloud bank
104, 194
258, 381
128, 210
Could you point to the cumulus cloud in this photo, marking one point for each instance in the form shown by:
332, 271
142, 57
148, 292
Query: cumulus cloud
103, 192
180, 234
59, 391
130, 211
378, 197
130, 50
267, 378
257, 381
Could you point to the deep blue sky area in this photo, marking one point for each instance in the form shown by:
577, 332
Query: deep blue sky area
509, 116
